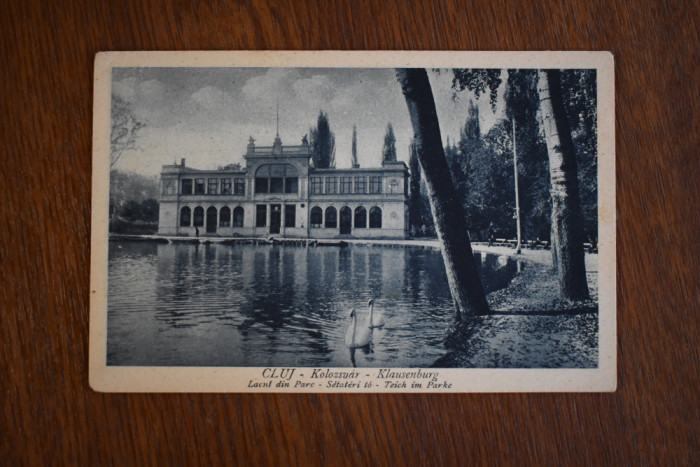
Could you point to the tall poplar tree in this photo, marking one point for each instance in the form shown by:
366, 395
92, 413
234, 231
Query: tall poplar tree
322, 143
355, 163
389, 149
415, 215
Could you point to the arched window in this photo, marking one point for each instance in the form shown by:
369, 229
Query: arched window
331, 218
360, 218
198, 216
316, 217
185, 217
238, 215
375, 218
225, 217
277, 178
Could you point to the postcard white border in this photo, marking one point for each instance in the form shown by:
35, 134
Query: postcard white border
237, 379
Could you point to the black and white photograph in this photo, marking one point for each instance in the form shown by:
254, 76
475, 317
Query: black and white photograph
338, 221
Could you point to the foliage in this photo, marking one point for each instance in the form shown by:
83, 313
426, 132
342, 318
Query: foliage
146, 210
581, 108
522, 103
133, 200
389, 149
482, 166
482, 169
322, 143
419, 216
125, 129
479, 81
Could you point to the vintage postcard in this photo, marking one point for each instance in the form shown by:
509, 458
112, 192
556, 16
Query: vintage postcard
353, 222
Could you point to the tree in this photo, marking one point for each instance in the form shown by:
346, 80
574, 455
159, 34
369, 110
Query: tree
482, 172
567, 220
486, 160
132, 197
457, 164
544, 87
322, 143
355, 163
488, 174
469, 171
419, 216
414, 212
479, 81
125, 129
581, 111
517, 190
448, 214
389, 149
522, 103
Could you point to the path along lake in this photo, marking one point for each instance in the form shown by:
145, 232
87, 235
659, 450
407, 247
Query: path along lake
280, 305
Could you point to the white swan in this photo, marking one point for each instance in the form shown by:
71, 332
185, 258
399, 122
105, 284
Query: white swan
357, 335
376, 320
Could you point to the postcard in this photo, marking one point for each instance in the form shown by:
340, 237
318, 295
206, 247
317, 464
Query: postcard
348, 222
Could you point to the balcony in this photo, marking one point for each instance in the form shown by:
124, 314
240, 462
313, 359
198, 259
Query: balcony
302, 150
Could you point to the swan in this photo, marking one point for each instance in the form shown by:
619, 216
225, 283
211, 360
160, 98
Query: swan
357, 335
376, 320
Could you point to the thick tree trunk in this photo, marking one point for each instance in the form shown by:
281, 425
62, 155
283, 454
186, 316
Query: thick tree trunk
448, 213
567, 219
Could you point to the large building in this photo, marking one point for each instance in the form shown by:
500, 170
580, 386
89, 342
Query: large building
278, 193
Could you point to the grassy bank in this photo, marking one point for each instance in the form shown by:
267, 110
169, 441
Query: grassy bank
530, 327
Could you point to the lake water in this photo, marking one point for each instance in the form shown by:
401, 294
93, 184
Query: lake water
272, 305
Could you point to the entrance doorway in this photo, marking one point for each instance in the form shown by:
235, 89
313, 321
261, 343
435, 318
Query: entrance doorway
275, 218
345, 221
211, 220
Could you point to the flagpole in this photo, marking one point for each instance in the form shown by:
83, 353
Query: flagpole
517, 195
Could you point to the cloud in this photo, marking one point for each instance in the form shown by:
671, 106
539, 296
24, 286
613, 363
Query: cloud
148, 99
125, 88
265, 87
151, 90
203, 149
188, 114
134, 91
212, 98
318, 88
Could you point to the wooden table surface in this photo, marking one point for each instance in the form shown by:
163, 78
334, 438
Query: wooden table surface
49, 414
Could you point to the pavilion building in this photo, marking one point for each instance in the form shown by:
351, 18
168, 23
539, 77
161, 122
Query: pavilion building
279, 193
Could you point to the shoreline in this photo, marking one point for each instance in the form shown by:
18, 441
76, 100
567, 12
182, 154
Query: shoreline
543, 257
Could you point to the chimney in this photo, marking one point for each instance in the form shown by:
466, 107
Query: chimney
182, 162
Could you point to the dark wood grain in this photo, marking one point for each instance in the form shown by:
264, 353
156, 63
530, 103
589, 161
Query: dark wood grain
49, 414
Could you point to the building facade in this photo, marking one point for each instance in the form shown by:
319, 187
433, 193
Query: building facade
278, 193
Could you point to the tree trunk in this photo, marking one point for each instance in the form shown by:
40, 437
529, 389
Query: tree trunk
448, 213
567, 219
517, 191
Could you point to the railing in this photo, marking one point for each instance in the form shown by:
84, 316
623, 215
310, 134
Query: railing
285, 149
295, 149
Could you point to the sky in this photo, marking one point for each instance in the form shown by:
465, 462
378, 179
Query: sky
206, 115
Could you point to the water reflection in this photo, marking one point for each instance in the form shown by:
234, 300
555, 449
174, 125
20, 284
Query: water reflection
272, 305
